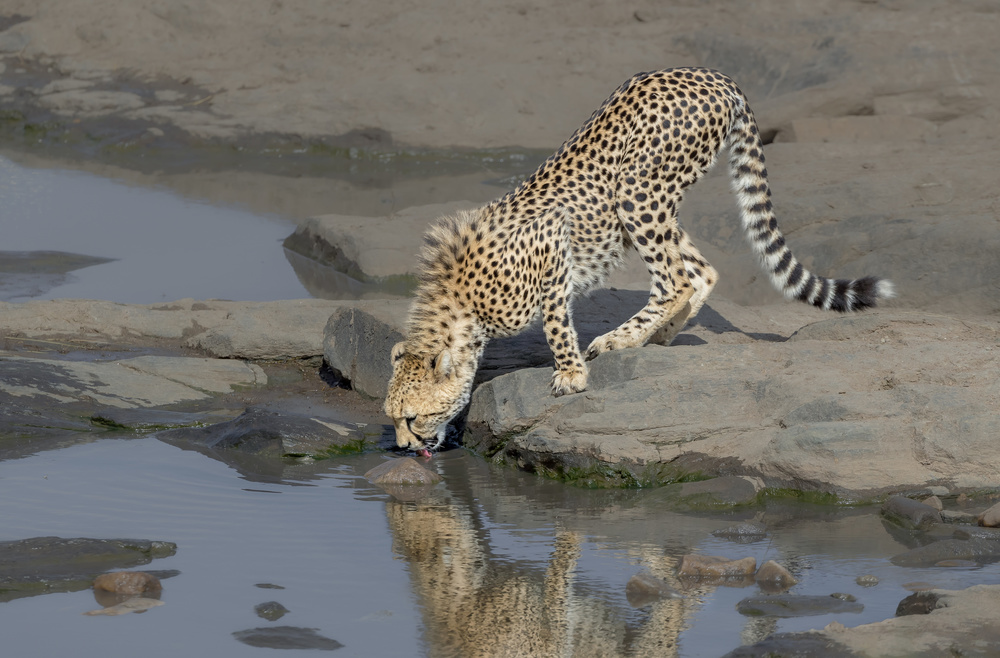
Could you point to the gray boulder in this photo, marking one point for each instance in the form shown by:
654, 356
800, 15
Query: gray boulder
855, 406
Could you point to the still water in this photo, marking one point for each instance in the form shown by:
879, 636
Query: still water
490, 557
158, 246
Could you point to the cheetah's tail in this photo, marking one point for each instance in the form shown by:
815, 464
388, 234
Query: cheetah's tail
749, 181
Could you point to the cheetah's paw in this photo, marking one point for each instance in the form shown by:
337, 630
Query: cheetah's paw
606, 343
571, 380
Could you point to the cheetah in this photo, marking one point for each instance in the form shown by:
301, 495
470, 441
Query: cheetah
616, 183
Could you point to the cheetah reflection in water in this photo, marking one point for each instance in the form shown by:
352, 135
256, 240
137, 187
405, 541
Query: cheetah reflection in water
616, 183
476, 605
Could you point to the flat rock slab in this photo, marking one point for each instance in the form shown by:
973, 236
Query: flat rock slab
289, 329
856, 406
271, 434
977, 549
962, 623
794, 605
41, 565
148, 381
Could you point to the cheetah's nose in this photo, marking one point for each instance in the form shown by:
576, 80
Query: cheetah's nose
405, 438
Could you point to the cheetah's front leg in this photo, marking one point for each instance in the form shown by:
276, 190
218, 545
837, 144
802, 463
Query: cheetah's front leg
571, 372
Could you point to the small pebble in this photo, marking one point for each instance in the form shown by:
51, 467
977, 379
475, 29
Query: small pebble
402, 471
772, 573
844, 597
643, 589
271, 611
127, 582
867, 580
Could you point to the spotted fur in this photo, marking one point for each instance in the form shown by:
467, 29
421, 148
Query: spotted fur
616, 183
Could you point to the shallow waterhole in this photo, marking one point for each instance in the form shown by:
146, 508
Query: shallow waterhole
87, 230
380, 575
391, 578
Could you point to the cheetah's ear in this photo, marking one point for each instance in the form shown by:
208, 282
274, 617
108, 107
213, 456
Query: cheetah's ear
398, 350
442, 364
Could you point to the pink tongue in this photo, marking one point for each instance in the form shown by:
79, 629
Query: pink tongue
425, 453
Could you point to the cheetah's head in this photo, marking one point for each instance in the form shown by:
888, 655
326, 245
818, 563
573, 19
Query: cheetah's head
425, 393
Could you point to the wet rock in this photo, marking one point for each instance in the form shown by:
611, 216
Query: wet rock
268, 586
268, 433
715, 493
990, 518
286, 637
949, 549
791, 605
127, 582
917, 586
643, 589
41, 565
772, 576
960, 623
958, 517
963, 564
975, 532
149, 420
909, 513
919, 603
712, 566
937, 531
933, 501
867, 580
742, 533
401, 471
134, 604
844, 596
271, 610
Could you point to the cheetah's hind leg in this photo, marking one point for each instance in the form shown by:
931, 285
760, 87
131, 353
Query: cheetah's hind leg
703, 278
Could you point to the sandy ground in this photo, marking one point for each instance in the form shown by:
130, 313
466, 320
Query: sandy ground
446, 73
